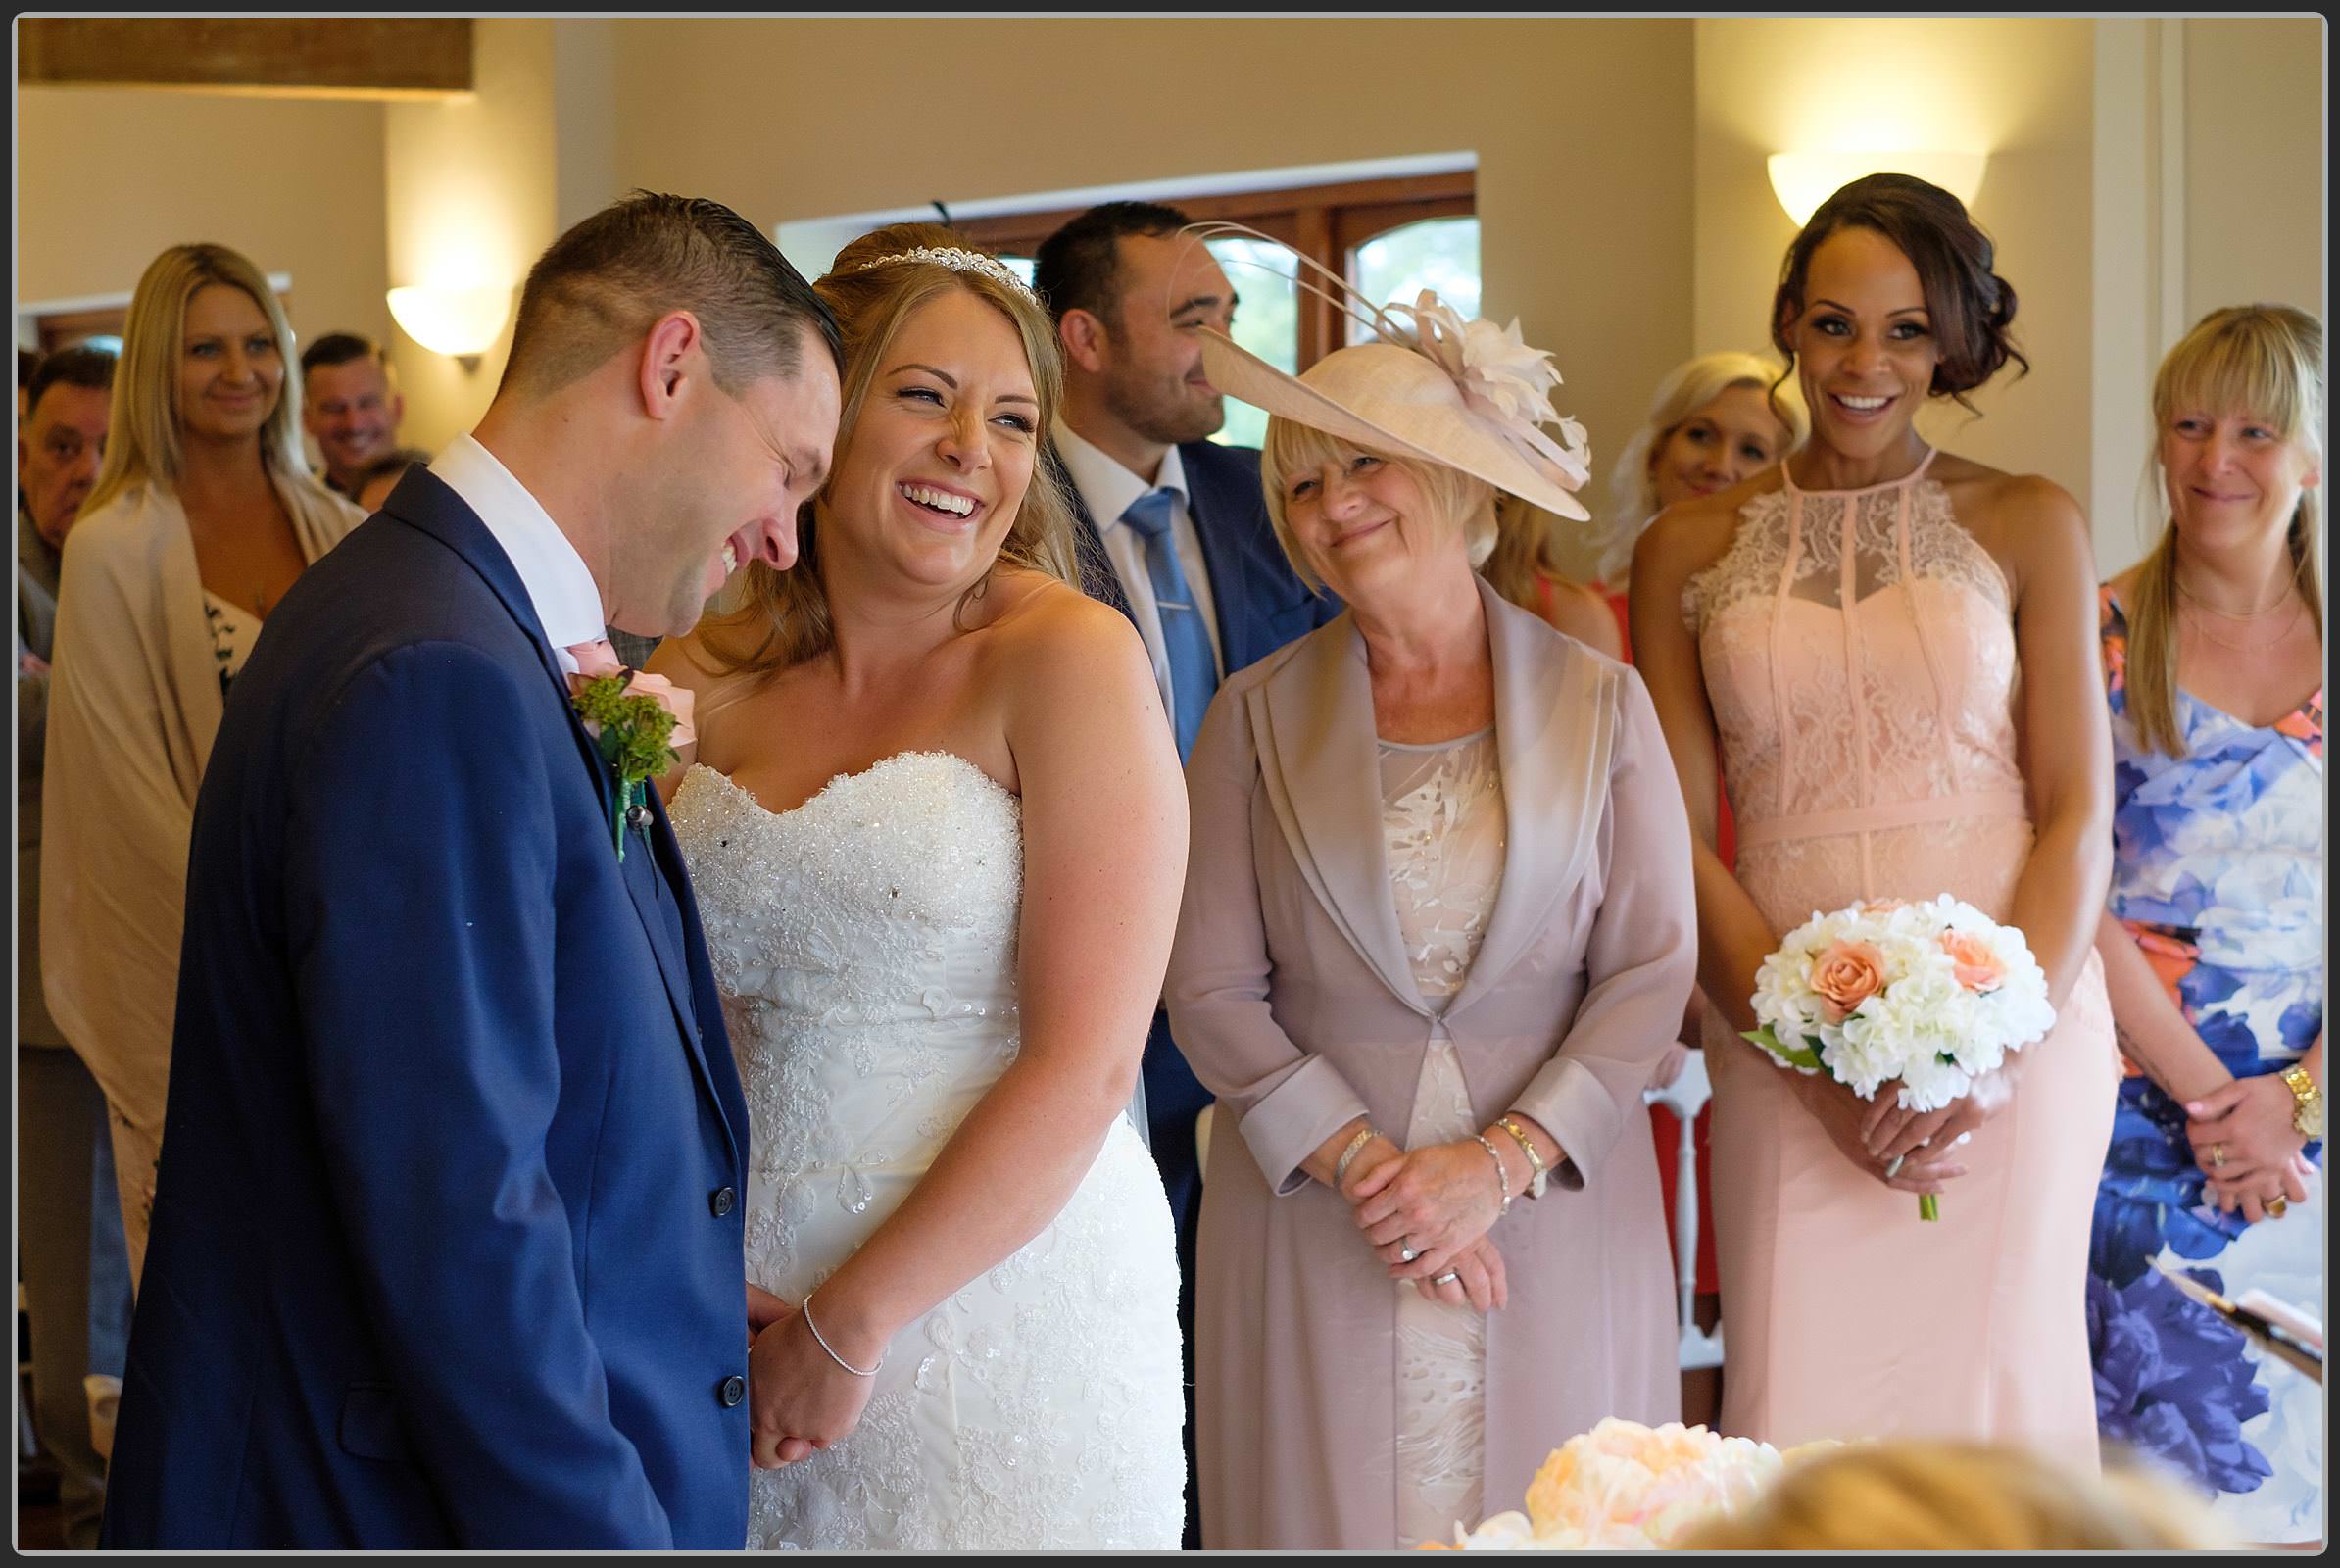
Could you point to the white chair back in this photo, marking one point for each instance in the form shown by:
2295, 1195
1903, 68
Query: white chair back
1685, 1096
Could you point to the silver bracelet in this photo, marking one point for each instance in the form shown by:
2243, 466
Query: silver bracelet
1365, 1134
1502, 1175
807, 1312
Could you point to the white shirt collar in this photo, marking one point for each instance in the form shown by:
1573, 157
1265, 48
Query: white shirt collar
1106, 485
558, 586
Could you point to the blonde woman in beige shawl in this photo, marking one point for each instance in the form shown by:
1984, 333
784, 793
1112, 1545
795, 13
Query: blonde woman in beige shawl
1437, 931
202, 517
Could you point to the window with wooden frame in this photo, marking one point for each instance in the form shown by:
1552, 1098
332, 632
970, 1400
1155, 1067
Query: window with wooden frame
69, 325
1388, 238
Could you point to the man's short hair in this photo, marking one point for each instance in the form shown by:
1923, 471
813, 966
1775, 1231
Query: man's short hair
601, 285
1079, 267
25, 361
342, 348
81, 366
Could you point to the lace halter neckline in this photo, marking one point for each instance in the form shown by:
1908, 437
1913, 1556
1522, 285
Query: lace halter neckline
1788, 479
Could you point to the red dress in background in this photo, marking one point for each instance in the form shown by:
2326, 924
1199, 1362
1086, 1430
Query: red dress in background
1664, 1125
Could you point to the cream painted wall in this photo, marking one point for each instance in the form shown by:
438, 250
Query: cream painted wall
469, 189
1629, 220
2017, 88
107, 178
2255, 163
1582, 131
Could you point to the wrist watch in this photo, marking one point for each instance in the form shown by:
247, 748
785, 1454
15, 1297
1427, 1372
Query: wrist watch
2306, 1110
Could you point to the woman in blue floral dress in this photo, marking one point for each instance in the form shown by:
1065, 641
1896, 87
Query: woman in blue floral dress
2213, 944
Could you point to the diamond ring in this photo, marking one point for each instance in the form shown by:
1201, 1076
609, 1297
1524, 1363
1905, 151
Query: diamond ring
1406, 1254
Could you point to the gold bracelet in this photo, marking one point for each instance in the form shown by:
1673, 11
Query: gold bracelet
1527, 1145
1365, 1134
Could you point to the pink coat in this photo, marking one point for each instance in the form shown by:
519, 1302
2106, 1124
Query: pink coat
1290, 995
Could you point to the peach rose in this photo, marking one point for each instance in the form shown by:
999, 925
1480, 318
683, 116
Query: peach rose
1849, 974
1977, 964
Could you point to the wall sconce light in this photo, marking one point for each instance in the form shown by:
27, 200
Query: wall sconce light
1803, 180
461, 323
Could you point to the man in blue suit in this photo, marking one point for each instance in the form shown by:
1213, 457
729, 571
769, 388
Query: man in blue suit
446, 1240
1174, 534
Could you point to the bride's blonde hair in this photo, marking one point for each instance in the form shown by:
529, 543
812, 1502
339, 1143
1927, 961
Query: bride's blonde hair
783, 617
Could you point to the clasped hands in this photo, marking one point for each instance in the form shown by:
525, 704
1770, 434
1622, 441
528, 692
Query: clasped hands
1438, 1204
1909, 1150
2251, 1155
799, 1401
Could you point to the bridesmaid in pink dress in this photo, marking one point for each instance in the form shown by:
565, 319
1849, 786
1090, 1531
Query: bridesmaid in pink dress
1890, 650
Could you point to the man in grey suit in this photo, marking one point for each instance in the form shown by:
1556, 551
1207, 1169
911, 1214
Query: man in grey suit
75, 1271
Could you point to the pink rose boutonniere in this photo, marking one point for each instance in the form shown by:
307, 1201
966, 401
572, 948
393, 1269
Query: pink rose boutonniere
637, 721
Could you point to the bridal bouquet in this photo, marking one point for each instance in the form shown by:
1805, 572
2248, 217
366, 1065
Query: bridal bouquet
1928, 997
1624, 1487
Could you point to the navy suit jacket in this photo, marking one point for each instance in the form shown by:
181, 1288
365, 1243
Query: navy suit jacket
1260, 603
447, 1250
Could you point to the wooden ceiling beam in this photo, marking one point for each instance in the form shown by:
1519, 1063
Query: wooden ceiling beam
353, 57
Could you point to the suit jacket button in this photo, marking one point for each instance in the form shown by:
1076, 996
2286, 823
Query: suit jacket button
733, 1391
722, 1201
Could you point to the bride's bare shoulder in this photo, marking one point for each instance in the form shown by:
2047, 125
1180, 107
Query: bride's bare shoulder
1041, 618
719, 675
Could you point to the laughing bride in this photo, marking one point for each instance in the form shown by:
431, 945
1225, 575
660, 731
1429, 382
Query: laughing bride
936, 832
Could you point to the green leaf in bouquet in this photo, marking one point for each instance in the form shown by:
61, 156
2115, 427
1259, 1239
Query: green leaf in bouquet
1795, 1055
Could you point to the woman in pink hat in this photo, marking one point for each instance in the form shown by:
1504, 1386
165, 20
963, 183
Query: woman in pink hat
1437, 930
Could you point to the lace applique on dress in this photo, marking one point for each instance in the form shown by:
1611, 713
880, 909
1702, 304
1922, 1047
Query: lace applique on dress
1442, 833
1859, 654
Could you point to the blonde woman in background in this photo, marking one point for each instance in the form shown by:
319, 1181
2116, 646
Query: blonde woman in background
201, 518
1715, 420
1523, 569
2213, 939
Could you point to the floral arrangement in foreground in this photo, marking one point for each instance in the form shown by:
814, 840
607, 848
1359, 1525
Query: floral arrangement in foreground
1624, 1487
1928, 997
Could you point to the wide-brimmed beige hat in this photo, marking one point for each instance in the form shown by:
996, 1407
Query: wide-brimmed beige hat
1464, 395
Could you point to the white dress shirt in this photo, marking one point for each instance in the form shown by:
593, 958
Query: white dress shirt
558, 586
1107, 489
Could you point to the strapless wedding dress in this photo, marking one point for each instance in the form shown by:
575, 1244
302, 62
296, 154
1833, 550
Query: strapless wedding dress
866, 947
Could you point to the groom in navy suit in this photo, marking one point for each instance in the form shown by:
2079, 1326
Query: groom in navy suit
446, 1245
1174, 534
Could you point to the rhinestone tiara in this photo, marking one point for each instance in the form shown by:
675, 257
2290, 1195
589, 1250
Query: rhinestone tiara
957, 261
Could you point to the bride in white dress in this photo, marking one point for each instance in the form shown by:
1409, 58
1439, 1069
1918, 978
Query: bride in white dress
937, 830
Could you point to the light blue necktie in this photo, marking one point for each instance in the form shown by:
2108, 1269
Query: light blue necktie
1194, 669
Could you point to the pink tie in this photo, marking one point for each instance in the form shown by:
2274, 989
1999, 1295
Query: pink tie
597, 658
